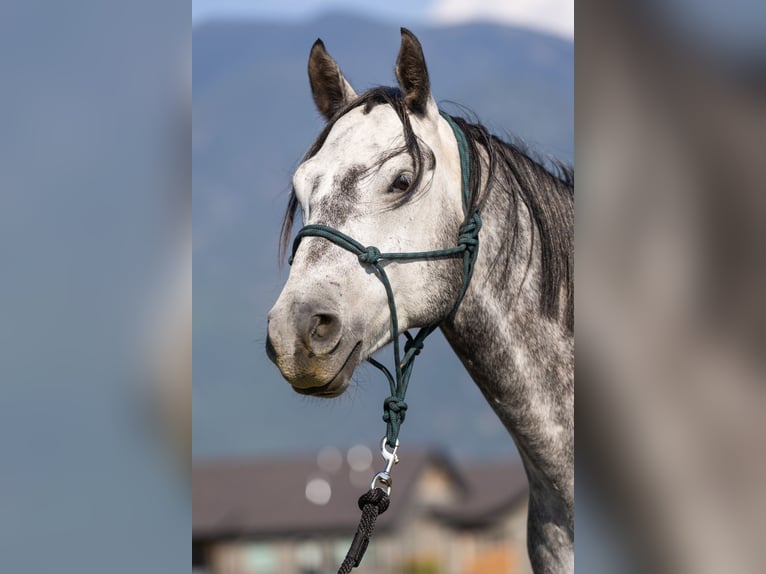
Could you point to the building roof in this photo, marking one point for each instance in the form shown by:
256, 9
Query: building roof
491, 489
268, 497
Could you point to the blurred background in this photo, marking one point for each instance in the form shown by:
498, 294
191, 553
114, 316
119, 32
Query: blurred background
670, 366
94, 213
277, 475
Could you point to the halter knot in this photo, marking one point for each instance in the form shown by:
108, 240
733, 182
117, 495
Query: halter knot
394, 406
469, 232
415, 344
370, 255
394, 410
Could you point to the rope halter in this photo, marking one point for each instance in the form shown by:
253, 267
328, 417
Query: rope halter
394, 407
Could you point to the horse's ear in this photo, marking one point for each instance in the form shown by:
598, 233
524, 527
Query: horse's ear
330, 89
412, 74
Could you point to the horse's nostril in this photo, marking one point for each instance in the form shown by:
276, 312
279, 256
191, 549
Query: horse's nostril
323, 333
324, 326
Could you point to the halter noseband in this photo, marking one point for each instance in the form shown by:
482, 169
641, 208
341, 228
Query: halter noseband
394, 407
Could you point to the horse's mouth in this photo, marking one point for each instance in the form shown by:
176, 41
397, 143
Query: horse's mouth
339, 382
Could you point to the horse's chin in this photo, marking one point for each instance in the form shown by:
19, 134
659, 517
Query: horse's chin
337, 384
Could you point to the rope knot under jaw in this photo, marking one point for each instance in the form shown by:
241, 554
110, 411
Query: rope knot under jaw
370, 255
394, 411
415, 344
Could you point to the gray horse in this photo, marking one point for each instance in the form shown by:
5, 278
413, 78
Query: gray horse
386, 171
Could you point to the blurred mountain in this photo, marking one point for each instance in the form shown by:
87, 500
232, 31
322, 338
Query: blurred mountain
253, 120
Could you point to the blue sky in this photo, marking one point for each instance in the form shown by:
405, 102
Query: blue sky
552, 16
301, 9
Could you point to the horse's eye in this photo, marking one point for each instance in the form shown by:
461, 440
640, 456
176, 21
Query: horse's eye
401, 183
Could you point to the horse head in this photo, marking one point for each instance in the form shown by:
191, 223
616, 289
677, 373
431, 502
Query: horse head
385, 171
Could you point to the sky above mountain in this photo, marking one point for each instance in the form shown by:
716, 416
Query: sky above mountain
551, 16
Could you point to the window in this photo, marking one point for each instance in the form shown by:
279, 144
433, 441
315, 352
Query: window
309, 556
261, 559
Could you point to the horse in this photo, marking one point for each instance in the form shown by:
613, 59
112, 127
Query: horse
386, 170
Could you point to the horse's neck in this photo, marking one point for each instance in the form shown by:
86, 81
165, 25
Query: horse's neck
521, 361
523, 364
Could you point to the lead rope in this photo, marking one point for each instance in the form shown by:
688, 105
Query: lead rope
376, 500
372, 503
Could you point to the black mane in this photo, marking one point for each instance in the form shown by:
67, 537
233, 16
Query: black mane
548, 196
547, 193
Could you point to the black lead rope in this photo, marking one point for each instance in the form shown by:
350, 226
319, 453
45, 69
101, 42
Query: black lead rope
376, 500
372, 504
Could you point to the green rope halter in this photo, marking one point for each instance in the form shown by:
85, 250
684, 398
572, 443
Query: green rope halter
394, 407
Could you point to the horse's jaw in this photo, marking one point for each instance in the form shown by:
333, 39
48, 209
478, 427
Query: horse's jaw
319, 376
336, 385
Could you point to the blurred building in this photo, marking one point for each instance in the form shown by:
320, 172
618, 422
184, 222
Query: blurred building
298, 515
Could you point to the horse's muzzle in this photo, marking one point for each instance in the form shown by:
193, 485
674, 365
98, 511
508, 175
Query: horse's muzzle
306, 341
